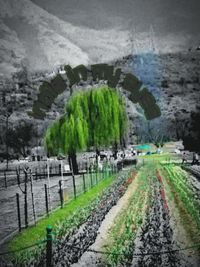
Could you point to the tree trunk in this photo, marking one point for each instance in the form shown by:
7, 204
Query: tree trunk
123, 143
97, 155
73, 162
115, 150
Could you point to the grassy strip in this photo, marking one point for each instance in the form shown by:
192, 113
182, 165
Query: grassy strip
164, 158
129, 220
33, 234
157, 156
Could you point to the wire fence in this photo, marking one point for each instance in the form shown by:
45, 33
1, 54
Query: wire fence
50, 241
36, 200
14, 175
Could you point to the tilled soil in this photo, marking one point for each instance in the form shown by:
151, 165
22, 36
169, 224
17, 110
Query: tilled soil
184, 228
71, 247
194, 181
156, 235
91, 258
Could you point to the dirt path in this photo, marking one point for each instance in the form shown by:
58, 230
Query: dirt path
90, 259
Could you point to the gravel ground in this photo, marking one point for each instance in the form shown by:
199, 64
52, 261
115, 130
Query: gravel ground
8, 210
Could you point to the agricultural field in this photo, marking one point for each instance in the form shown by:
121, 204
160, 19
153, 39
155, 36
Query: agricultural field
148, 215
157, 224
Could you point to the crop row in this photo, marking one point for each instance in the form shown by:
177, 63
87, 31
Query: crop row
183, 189
85, 236
123, 233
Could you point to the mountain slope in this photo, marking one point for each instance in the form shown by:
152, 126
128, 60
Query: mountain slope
41, 41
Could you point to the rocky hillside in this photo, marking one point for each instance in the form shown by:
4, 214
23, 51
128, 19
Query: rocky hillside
39, 40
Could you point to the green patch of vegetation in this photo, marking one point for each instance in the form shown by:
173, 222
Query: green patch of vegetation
132, 83
114, 78
179, 181
106, 72
98, 71
159, 157
36, 112
81, 71
73, 77
58, 85
148, 103
48, 92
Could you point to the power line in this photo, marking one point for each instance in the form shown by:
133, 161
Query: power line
24, 248
140, 254
197, 245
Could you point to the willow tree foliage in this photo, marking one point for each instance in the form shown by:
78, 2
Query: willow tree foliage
94, 118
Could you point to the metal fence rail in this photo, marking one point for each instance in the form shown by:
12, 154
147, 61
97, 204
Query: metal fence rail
50, 241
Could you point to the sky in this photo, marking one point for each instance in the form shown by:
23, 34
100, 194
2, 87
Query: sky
167, 16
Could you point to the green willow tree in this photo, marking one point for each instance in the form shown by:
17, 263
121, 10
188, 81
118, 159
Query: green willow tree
94, 118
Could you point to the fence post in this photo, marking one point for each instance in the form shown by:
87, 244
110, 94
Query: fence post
59, 166
46, 199
61, 193
32, 197
36, 175
84, 187
96, 177
18, 175
49, 246
5, 179
26, 198
18, 212
74, 185
90, 171
44, 173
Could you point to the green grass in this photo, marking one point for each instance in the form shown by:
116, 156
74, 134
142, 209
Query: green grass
35, 233
162, 156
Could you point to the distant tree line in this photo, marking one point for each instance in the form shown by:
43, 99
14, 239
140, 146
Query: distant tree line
18, 140
191, 140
